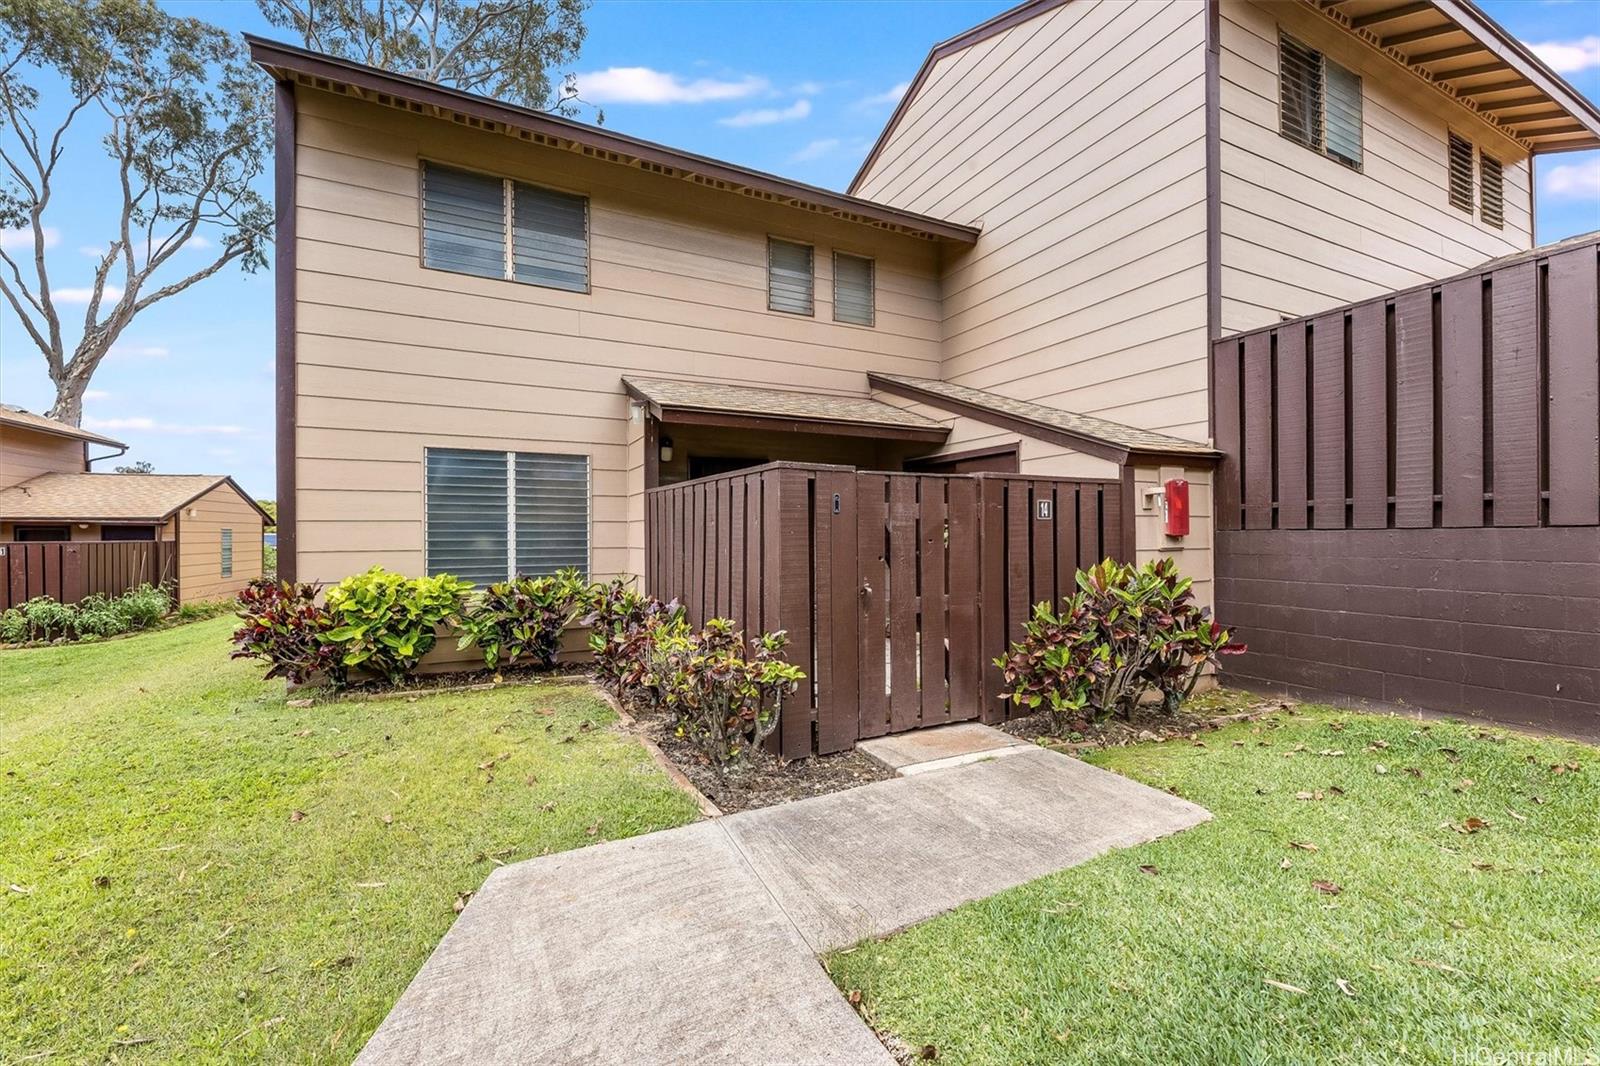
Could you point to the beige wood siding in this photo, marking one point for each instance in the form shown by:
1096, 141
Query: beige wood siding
393, 358
25, 454
1302, 233
1076, 140
200, 545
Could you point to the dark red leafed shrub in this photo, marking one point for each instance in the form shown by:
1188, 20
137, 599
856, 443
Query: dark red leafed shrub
623, 623
283, 625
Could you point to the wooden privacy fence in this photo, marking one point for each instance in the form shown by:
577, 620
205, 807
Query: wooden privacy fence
69, 571
1465, 403
897, 590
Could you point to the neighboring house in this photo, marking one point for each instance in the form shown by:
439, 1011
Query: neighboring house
48, 498
498, 329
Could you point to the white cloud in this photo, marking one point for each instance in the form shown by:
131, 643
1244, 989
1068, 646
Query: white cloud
96, 394
1569, 57
138, 351
642, 85
816, 150
150, 425
21, 239
110, 295
767, 116
93, 251
887, 98
197, 243
1574, 181
810, 88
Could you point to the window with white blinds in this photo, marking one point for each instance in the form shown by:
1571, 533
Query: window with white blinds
1460, 163
790, 283
1491, 191
493, 515
853, 299
1319, 102
499, 228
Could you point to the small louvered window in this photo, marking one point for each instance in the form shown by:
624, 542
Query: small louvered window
852, 289
492, 515
1319, 102
1461, 173
1491, 191
469, 221
790, 283
227, 553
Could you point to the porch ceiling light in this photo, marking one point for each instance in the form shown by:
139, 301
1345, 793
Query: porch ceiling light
666, 449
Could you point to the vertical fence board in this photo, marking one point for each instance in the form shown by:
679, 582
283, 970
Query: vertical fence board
1111, 528
1574, 390
872, 516
1066, 538
1369, 416
1292, 420
991, 589
1516, 392
1042, 543
931, 564
819, 659
1227, 430
904, 702
966, 650
724, 490
1461, 401
1257, 473
1089, 547
795, 603
839, 729
1413, 410
1018, 586
1329, 433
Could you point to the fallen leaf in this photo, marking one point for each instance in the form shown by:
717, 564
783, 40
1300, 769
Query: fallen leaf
1344, 986
1327, 888
1450, 753
299, 704
1479, 864
460, 903
388, 819
297, 816
1413, 771
102, 881
1335, 790
341, 754
593, 829
1304, 795
372, 884
1287, 988
1380, 769
1472, 825
1303, 845
1441, 967
1285, 864
1540, 800
548, 806
1328, 753
22, 890
303, 733
928, 1053
1464, 784
1378, 745
138, 964
1151, 870
1514, 814
854, 997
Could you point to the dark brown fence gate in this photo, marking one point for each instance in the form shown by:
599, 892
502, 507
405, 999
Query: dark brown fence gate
1409, 504
69, 571
897, 590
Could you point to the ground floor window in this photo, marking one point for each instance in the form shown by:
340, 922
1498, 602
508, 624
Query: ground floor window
33, 534
492, 515
127, 533
227, 553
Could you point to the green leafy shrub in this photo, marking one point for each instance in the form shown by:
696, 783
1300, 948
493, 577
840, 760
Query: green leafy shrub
13, 626
524, 617
385, 622
91, 618
1127, 632
622, 624
283, 625
143, 607
724, 691
200, 610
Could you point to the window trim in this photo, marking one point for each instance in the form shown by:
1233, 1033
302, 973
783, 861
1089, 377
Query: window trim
1321, 148
507, 199
872, 262
812, 248
510, 456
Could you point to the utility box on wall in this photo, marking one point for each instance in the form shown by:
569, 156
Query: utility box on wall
1175, 505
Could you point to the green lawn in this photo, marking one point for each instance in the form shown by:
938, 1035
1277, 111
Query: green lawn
192, 870
1445, 941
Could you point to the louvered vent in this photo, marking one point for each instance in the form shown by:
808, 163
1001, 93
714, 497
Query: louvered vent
1461, 173
1492, 198
1300, 92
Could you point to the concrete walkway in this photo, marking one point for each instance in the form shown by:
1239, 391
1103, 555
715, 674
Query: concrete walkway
699, 944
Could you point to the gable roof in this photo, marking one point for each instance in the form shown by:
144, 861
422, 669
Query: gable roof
818, 412
110, 497
1085, 433
289, 63
1449, 43
15, 416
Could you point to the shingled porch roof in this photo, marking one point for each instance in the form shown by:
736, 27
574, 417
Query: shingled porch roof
705, 403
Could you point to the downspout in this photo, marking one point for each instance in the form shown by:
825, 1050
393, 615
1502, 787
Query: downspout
88, 462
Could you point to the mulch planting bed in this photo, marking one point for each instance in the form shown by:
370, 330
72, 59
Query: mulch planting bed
765, 780
1204, 713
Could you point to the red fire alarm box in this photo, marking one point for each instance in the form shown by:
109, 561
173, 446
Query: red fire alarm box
1176, 506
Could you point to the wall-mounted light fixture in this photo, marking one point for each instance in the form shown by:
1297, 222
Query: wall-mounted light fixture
666, 449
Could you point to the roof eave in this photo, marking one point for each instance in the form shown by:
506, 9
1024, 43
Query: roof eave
70, 433
283, 61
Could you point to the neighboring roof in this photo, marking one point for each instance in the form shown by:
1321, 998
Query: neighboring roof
16, 416
289, 63
1450, 43
824, 412
1094, 436
110, 497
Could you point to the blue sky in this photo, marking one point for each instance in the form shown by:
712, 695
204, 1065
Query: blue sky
800, 89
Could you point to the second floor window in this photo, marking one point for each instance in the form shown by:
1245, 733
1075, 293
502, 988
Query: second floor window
790, 282
853, 296
499, 228
1319, 102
